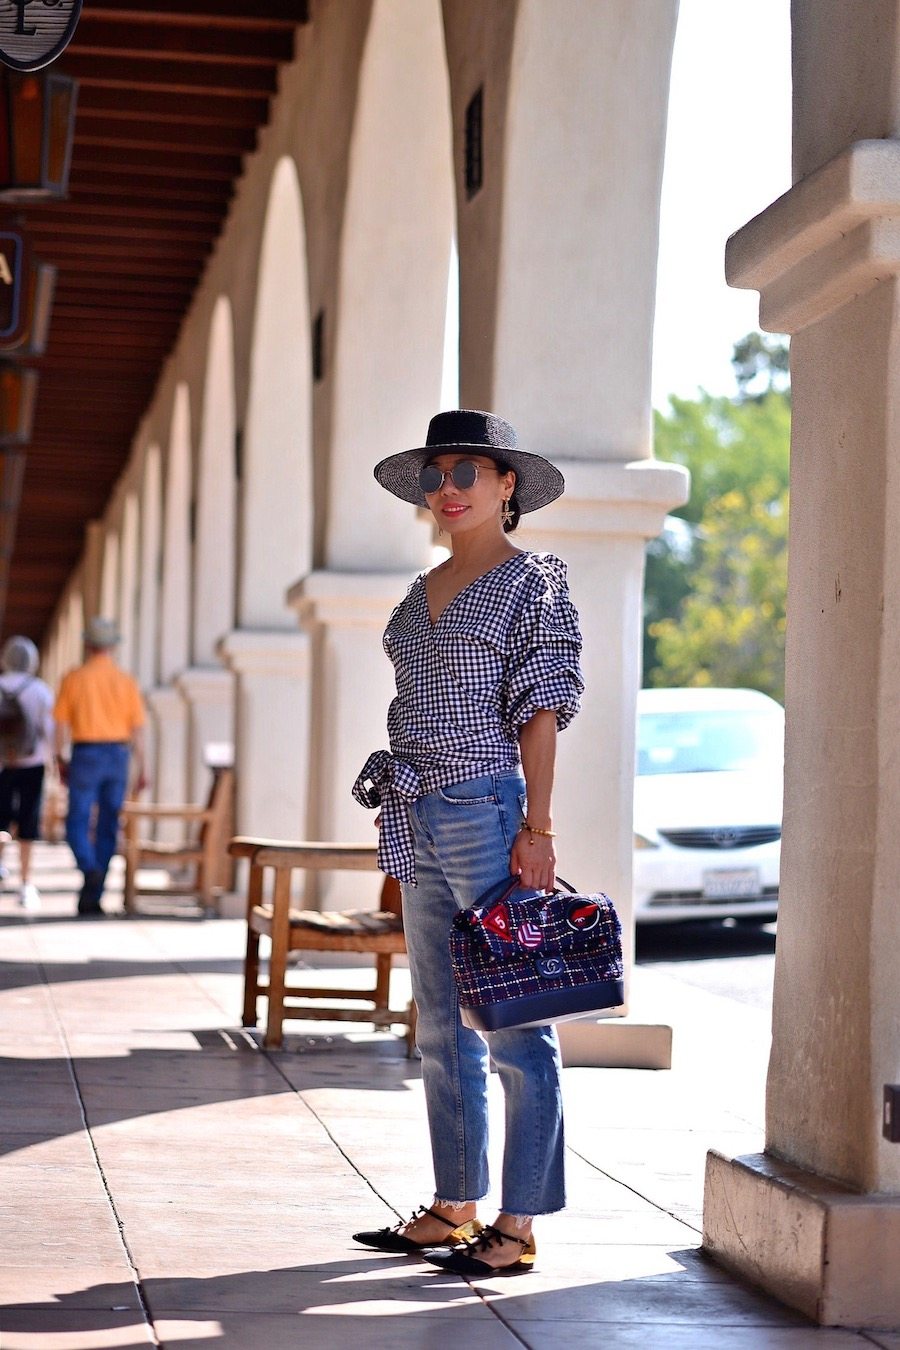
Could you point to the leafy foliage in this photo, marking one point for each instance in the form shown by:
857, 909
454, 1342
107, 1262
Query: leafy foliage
761, 366
716, 585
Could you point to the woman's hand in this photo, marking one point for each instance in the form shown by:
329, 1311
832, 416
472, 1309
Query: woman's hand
533, 860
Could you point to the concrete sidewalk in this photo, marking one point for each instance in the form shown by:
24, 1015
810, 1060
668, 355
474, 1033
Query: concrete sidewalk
165, 1182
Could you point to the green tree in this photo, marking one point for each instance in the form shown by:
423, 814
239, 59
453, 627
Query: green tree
714, 590
730, 627
761, 365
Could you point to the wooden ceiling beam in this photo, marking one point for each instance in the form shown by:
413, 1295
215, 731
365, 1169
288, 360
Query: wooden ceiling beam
146, 103
129, 133
224, 168
87, 319
143, 187
287, 13
172, 97
96, 232
110, 211
181, 40
115, 236
128, 72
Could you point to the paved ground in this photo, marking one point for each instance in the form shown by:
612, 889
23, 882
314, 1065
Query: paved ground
165, 1182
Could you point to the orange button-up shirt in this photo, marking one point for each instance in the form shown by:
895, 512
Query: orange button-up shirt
99, 702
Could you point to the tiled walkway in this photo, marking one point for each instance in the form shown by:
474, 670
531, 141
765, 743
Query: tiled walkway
164, 1182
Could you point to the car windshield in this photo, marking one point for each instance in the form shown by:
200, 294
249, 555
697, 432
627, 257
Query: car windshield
718, 741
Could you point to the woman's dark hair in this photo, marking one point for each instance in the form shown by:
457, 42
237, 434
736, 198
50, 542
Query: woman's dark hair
513, 503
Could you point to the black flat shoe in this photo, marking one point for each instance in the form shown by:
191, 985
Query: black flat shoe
392, 1240
464, 1261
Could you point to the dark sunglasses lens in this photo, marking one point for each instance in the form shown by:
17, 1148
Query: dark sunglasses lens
430, 478
464, 474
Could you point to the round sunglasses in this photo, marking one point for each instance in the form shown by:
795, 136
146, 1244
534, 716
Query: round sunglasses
463, 475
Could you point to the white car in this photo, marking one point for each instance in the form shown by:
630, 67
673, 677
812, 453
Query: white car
707, 804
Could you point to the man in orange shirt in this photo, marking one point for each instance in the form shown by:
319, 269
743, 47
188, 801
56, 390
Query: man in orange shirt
100, 711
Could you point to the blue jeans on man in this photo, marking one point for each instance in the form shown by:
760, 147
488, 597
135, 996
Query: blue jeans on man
98, 778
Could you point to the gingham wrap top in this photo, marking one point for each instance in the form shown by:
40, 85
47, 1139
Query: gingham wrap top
505, 647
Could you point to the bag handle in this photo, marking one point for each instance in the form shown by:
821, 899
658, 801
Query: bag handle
515, 885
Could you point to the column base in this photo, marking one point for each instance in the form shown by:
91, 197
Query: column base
615, 1043
812, 1243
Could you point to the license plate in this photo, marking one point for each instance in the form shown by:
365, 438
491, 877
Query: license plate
734, 884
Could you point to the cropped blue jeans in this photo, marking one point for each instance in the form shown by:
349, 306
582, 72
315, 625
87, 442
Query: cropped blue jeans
463, 835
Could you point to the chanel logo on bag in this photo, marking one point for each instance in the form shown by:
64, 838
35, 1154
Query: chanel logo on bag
550, 967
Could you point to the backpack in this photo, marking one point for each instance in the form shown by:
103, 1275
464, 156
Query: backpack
18, 730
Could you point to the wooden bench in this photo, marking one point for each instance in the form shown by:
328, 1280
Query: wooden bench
269, 912
205, 853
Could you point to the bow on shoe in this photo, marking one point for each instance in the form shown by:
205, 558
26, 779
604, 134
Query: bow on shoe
463, 1260
393, 1240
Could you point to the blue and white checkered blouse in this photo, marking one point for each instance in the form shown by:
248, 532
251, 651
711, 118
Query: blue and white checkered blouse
505, 647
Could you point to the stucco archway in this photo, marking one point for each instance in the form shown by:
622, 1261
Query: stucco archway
392, 298
176, 560
148, 603
214, 558
276, 486
109, 576
128, 581
74, 631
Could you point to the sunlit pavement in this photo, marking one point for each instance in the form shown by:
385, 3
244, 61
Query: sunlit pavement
166, 1182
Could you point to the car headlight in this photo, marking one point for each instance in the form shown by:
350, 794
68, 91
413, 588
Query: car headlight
641, 841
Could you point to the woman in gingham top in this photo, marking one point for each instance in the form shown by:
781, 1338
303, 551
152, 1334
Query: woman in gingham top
485, 649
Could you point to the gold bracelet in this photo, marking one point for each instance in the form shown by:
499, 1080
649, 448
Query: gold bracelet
533, 829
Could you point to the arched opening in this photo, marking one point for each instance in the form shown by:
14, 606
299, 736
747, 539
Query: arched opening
176, 560
276, 487
109, 577
74, 631
392, 305
128, 562
148, 602
214, 558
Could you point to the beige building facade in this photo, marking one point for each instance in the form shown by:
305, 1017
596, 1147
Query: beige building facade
251, 559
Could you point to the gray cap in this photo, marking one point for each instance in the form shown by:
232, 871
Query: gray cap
19, 654
102, 633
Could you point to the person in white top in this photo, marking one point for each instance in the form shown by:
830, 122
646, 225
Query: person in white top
26, 740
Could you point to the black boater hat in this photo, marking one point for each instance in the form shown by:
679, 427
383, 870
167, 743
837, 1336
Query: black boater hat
538, 482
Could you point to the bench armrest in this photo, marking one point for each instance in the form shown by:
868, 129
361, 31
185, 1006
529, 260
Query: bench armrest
135, 810
310, 856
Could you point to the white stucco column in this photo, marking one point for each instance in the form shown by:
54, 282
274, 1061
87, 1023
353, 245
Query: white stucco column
169, 767
600, 527
209, 698
816, 1218
558, 242
272, 731
345, 615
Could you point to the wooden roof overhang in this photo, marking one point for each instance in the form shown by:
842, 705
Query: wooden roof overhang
171, 97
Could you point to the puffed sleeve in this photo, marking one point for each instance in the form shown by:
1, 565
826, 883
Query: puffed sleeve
543, 666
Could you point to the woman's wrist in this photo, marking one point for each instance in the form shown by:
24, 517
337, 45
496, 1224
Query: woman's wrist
531, 827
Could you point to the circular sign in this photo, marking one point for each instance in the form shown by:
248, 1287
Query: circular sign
583, 915
34, 32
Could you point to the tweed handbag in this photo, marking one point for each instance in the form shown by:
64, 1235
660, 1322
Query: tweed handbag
522, 958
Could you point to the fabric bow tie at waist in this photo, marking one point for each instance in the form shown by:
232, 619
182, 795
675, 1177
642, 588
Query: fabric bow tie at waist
390, 783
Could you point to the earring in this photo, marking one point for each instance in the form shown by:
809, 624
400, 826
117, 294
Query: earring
506, 514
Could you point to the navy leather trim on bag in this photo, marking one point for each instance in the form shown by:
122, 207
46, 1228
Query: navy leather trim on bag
536, 1010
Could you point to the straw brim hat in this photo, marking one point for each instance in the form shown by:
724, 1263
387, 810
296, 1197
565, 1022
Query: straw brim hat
538, 482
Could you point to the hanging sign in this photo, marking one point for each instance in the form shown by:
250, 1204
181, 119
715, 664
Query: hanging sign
12, 251
34, 32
